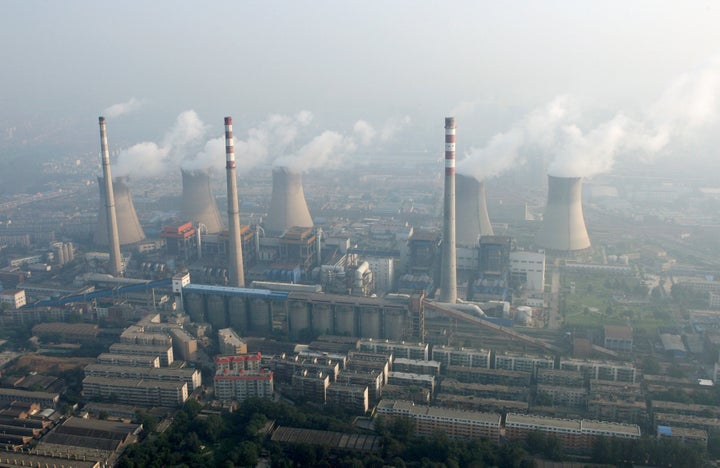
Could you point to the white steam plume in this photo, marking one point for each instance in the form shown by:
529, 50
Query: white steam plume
325, 150
271, 137
536, 131
149, 159
689, 105
122, 108
364, 131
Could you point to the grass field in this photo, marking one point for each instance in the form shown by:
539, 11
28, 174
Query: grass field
595, 299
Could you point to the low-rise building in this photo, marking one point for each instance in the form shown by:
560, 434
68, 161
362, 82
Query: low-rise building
352, 397
619, 338
575, 435
455, 423
684, 434
165, 353
399, 349
311, 385
128, 360
464, 357
561, 396
416, 366
13, 298
523, 362
241, 385
136, 391
230, 343
488, 376
190, 376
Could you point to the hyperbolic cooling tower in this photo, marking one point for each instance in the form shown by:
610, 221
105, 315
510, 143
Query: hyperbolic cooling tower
563, 226
448, 269
472, 220
128, 226
288, 207
198, 202
235, 262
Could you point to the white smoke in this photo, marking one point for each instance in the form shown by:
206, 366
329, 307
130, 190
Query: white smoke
149, 159
367, 134
122, 108
271, 137
364, 131
689, 105
537, 131
325, 150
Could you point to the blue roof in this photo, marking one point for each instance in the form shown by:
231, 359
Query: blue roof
233, 291
664, 430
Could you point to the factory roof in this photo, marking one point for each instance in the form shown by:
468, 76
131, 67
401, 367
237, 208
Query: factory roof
233, 291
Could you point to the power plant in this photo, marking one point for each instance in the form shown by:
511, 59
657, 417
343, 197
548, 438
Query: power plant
288, 207
235, 268
115, 267
198, 202
563, 226
471, 209
448, 271
128, 226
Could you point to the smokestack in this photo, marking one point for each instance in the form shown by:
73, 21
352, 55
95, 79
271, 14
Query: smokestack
448, 271
198, 202
288, 207
115, 266
472, 215
563, 227
129, 229
236, 273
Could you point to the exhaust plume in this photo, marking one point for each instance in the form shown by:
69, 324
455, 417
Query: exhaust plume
116, 110
149, 159
688, 105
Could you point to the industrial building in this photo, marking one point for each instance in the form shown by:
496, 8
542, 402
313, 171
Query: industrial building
256, 311
198, 202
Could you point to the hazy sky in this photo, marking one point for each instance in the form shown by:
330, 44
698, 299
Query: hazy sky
491, 63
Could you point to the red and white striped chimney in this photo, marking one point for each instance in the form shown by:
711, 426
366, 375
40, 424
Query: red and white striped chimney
448, 271
236, 273
112, 226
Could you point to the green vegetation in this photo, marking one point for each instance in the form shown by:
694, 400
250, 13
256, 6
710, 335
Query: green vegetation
595, 299
237, 439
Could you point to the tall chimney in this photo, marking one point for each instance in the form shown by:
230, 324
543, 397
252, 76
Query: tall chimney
236, 273
448, 271
288, 207
198, 202
471, 209
115, 266
563, 226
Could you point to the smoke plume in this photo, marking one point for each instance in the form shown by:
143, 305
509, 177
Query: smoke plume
122, 108
686, 107
149, 159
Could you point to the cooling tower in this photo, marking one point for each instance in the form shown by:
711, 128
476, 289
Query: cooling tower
288, 207
235, 262
128, 227
198, 202
448, 269
563, 227
107, 206
471, 210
